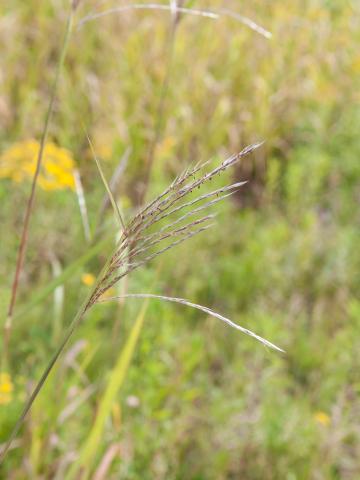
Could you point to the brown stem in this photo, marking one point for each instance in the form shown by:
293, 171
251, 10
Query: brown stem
160, 109
30, 203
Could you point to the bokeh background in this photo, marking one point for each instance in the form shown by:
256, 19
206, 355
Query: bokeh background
196, 400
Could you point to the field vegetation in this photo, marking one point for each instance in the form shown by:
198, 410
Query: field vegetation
148, 389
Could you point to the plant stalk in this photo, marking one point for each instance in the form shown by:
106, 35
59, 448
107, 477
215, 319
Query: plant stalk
73, 326
30, 202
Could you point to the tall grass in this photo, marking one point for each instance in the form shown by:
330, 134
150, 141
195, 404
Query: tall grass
208, 405
152, 231
145, 238
30, 202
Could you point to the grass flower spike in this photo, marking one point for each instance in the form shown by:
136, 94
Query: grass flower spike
173, 217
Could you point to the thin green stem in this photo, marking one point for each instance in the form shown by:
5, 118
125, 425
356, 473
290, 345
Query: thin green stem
30, 203
160, 111
71, 329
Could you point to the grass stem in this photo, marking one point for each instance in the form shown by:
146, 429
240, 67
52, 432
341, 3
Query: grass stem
30, 203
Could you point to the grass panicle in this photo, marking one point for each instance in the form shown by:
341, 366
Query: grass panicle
141, 244
145, 238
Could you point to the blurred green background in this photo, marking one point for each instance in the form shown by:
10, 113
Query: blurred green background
195, 400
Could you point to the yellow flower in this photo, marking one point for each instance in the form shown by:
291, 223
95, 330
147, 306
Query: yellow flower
322, 418
166, 147
88, 279
19, 163
104, 151
6, 388
355, 65
317, 13
103, 145
108, 294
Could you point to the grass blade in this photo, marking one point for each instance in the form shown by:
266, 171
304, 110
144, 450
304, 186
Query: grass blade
116, 380
214, 14
67, 273
82, 205
108, 189
203, 309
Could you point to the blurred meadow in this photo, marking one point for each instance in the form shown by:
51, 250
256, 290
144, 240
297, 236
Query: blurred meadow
153, 390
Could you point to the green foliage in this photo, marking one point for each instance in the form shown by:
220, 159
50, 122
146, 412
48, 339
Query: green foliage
199, 401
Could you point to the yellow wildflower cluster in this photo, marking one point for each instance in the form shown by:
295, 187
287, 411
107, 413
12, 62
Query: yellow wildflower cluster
108, 294
166, 148
88, 279
6, 388
19, 162
322, 418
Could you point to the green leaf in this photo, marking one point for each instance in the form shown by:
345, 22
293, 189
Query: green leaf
67, 273
115, 382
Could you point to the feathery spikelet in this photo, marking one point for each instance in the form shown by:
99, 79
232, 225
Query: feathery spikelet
145, 237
